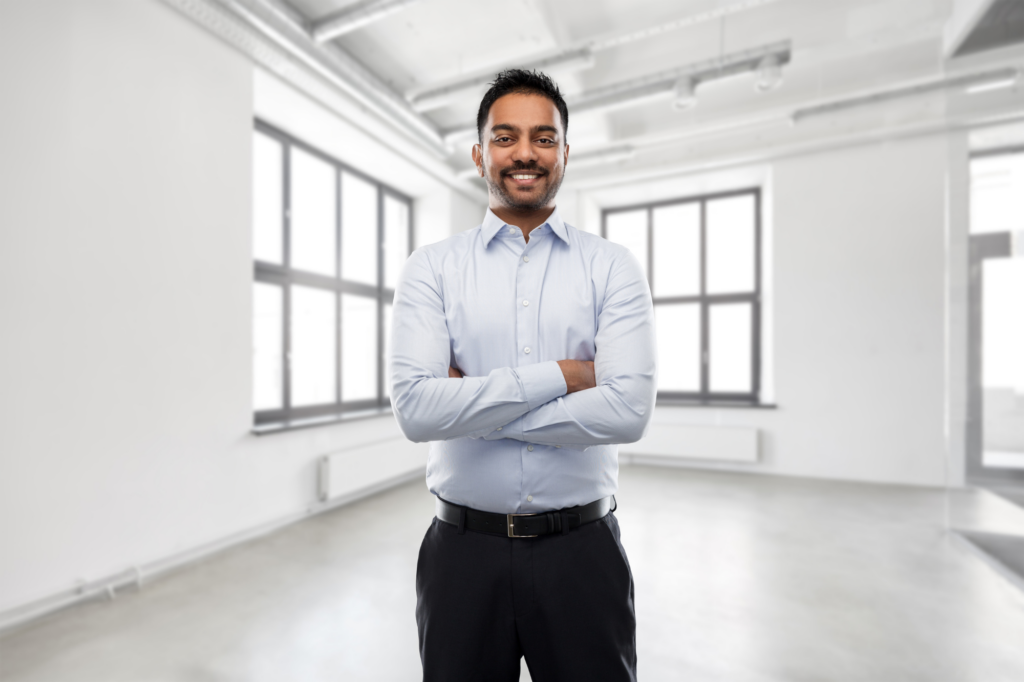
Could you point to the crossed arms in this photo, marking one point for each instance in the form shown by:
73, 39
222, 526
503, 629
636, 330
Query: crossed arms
549, 403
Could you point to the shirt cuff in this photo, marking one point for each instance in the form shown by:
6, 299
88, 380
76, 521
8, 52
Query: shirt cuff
512, 430
542, 382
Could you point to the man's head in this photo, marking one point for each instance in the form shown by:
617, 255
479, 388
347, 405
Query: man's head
522, 151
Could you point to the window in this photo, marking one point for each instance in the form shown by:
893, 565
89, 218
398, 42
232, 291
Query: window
702, 259
328, 245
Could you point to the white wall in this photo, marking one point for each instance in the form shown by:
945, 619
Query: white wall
125, 294
859, 296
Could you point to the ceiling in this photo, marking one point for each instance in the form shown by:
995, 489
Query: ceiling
837, 49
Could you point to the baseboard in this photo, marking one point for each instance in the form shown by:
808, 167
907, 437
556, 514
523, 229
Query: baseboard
136, 576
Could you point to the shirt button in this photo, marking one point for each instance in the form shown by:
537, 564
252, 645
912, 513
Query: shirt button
511, 230
525, 303
526, 259
527, 350
529, 498
530, 448
499, 428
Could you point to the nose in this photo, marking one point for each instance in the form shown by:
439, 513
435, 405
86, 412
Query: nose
524, 151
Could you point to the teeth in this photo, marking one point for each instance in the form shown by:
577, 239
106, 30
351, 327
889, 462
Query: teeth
524, 177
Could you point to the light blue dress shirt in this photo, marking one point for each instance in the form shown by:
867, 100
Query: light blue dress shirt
507, 438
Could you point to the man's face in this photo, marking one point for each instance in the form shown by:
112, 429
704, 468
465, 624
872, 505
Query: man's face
523, 152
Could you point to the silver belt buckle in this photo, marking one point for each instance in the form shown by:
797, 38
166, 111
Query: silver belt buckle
512, 527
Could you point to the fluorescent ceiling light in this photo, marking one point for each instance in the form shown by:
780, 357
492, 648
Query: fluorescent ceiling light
969, 81
1000, 84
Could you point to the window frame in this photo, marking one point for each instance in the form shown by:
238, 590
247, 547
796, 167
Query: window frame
285, 276
705, 300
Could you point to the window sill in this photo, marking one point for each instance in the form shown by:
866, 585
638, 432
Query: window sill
327, 420
678, 402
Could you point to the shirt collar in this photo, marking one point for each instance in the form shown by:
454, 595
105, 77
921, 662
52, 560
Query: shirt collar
492, 225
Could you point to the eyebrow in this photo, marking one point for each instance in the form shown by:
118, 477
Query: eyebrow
514, 129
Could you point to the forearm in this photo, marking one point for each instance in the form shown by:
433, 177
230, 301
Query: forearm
438, 408
602, 415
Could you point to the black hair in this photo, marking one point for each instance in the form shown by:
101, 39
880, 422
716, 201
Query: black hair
521, 81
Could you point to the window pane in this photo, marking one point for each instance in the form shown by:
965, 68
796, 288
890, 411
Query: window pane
358, 348
267, 346
313, 210
730, 235
1002, 355
358, 230
387, 349
314, 348
997, 194
678, 347
629, 228
677, 250
396, 239
730, 335
267, 197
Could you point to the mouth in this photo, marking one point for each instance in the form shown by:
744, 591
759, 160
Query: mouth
524, 178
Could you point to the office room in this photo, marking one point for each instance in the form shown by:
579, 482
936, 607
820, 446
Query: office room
754, 268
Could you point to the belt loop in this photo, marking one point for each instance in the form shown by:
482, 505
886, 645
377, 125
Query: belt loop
462, 520
565, 522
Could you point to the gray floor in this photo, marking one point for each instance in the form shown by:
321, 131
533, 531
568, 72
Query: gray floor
739, 578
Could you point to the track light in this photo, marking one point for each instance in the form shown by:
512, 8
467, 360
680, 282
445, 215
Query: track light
769, 74
684, 96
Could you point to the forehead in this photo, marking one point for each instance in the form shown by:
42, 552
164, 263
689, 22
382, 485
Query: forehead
524, 110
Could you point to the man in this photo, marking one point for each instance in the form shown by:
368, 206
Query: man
524, 351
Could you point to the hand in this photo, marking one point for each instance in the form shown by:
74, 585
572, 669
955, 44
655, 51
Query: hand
579, 375
454, 373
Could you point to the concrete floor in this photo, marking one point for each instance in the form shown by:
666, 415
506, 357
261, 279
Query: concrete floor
739, 578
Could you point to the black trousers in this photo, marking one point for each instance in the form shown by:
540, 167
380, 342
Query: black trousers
564, 602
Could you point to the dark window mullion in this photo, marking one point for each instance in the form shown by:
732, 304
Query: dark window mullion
337, 296
755, 379
286, 363
705, 353
380, 295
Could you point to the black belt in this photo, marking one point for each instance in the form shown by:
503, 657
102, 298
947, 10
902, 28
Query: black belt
524, 525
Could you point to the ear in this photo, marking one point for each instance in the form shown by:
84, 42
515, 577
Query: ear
565, 160
478, 159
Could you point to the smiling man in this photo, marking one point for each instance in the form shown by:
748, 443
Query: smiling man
523, 349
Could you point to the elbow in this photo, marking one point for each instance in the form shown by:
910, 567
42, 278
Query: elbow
414, 426
635, 411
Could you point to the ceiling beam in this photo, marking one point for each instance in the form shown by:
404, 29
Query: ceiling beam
337, 67
356, 17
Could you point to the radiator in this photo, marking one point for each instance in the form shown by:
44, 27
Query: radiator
360, 471
679, 441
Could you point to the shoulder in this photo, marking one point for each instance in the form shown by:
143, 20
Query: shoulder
597, 249
436, 252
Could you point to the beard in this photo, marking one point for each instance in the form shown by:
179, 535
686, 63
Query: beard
523, 204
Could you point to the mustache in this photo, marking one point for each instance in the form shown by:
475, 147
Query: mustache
519, 167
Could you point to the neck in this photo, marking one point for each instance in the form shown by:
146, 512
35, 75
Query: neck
526, 220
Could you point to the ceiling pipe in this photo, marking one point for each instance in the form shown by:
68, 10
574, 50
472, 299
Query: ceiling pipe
579, 57
660, 84
978, 80
356, 17
665, 81
437, 97
338, 68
